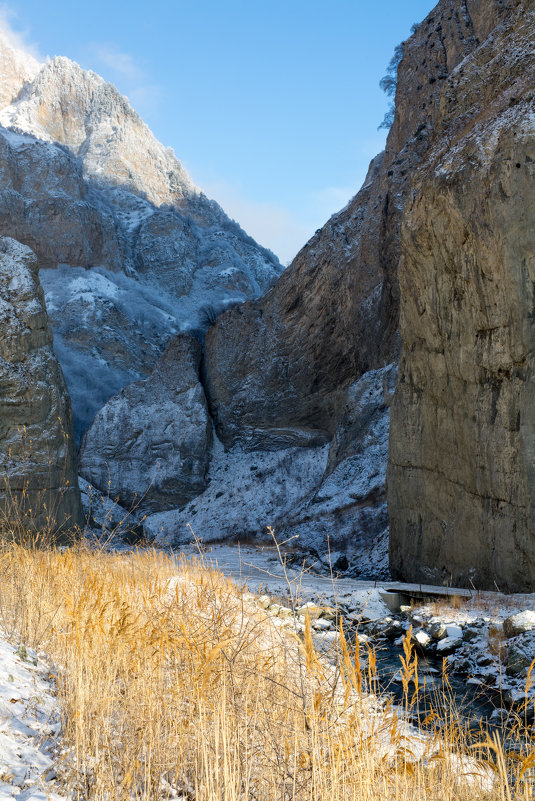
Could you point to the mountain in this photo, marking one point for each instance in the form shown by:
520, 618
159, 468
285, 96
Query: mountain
131, 251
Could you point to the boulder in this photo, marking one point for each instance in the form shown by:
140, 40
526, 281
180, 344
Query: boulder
437, 630
520, 655
448, 645
149, 446
461, 480
519, 623
38, 483
422, 638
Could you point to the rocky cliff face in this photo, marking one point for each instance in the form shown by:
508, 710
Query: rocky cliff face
279, 371
150, 445
461, 481
38, 476
130, 248
333, 314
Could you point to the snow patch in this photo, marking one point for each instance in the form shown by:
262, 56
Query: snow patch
29, 726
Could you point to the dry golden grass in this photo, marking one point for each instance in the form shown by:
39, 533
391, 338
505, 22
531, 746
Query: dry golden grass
171, 686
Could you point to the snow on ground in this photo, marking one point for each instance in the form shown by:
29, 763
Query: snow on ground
29, 726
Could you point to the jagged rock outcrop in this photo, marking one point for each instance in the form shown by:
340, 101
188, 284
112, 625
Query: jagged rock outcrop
149, 446
46, 204
348, 513
38, 486
77, 108
333, 314
461, 482
128, 246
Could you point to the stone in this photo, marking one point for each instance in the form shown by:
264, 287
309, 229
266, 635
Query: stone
499, 716
448, 645
519, 623
284, 612
422, 638
470, 634
321, 624
461, 484
313, 610
437, 630
515, 698
520, 656
453, 630
38, 487
386, 627
149, 446
463, 665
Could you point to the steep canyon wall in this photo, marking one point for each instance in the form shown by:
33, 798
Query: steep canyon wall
462, 445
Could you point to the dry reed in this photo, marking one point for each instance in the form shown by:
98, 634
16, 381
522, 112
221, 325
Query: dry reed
171, 685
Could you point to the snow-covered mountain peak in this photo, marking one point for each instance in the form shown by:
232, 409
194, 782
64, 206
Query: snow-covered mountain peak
77, 108
16, 68
130, 250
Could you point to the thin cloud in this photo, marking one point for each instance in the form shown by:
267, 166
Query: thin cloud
17, 35
121, 63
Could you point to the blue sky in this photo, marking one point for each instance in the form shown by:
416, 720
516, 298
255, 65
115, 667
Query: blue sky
273, 107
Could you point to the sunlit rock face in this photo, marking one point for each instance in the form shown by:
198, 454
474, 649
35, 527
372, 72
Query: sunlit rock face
461, 482
334, 313
38, 483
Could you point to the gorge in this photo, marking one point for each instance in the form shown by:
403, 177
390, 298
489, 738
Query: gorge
215, 391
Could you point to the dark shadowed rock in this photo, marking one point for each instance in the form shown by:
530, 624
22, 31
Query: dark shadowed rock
149, 446
37, 464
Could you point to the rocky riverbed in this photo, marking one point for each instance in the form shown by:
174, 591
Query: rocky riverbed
484, 644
